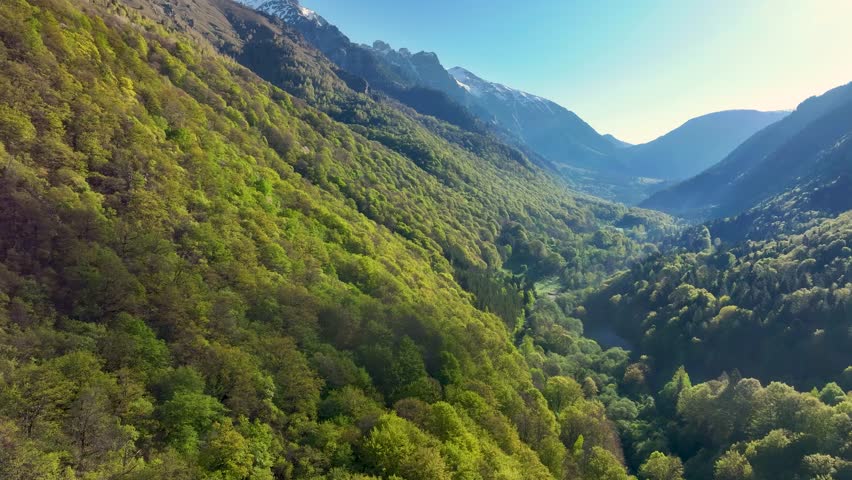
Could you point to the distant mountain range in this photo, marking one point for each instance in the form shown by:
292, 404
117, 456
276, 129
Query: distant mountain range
550, 134
416, 80
806, 150
550, 129
696, 145
555, 133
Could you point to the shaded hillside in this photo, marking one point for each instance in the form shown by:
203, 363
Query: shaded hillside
417, 80
793, 211
551, 130
805, 146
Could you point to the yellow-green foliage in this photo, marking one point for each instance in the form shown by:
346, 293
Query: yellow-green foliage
774, 309
178, 302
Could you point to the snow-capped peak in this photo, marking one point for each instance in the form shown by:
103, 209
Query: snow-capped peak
288, 10
470, 82
479, 87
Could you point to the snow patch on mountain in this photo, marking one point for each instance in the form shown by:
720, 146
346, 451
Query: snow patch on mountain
462, 85
288, 10
479, 88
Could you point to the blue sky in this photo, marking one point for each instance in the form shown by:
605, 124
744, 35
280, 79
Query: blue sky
636, 69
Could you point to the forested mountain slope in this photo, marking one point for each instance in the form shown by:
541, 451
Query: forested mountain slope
807, 146
794, 210
470, 172
779, 309
203, 276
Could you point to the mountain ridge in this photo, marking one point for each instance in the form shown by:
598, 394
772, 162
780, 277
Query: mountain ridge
554, 131
735, 184
695, 145
562, 138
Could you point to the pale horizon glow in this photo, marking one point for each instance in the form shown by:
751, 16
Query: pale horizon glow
633, 69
